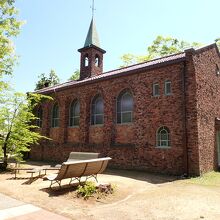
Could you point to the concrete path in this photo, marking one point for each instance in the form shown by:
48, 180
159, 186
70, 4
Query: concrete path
16, 210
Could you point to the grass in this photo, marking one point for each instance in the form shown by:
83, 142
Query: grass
207, 179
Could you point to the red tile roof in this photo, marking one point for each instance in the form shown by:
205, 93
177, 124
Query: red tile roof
118, 72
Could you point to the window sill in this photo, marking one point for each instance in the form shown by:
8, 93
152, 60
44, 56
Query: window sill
126, 123
102, 125
168, 147
168, 94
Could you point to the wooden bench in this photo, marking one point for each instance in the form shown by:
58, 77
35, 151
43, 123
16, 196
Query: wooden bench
34, 170
78, 169
78, 156
40, 169
16, 170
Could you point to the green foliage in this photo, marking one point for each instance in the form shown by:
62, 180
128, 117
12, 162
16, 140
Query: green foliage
86, 190
218, 42
17, 127
75, 75
45, 81
9, 28
208, 179
129, 59
161, 46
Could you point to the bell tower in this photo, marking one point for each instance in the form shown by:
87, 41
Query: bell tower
91, 63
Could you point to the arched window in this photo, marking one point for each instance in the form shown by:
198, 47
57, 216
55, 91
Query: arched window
97, 60
39, 117
97, 117
55, 116
74, 113
125, 107
86, 60
163, 137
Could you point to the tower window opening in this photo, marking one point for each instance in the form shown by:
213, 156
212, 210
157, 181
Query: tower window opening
86, 60
97, 61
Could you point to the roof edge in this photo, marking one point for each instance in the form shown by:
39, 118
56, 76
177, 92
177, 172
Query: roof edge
91, 46
137, 64
125, 73
203, 48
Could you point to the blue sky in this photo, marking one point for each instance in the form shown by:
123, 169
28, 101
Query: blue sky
56, 29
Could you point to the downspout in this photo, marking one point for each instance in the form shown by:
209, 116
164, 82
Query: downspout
185, 137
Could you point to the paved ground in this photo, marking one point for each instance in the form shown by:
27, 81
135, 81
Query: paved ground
15, 210
137, 196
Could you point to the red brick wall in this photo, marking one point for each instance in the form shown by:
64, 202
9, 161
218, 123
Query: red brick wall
124, 133
73, 135
132, 145
55, 134
96, 134
208, 106
190, 118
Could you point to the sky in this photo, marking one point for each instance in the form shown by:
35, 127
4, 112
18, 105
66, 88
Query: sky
56, 29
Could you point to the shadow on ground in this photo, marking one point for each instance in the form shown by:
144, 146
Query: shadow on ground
57, 191
141, 176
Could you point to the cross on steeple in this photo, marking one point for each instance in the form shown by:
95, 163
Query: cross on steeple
93, 7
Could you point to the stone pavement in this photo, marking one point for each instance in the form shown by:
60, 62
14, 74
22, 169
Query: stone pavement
15, 210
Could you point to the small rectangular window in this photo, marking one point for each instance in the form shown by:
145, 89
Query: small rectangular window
167, 88
156, 91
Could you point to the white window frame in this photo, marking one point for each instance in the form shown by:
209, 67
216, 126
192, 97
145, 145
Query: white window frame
165, 88
73, 105
123, 112
55, 120
154, 89
95, 115
159, 139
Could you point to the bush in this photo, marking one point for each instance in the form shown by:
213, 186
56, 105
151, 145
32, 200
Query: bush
86, 190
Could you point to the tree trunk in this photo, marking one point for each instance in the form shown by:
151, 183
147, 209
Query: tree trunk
5, 159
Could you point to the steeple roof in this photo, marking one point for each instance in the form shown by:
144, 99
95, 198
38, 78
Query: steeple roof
92, 36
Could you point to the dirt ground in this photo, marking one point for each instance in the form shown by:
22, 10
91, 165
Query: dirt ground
137, 195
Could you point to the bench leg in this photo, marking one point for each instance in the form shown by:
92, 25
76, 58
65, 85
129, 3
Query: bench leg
94, 176
56, 181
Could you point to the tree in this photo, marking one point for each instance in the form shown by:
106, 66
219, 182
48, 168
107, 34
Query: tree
45, 81
9, 28
218, 42
75, 75
161, 46
17, 127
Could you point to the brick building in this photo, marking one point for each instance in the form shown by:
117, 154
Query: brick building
159, 116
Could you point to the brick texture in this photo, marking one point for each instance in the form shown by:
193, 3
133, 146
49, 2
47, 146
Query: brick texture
189, 113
